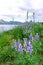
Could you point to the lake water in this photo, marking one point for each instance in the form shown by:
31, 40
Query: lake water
6, 27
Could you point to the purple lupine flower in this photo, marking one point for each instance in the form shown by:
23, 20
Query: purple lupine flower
29, 42
20, 49
16, 44
30, 37
29, 48
25, 40
37, 37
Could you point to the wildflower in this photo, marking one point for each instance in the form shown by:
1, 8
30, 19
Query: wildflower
20, 49
18, 42
15, 44
29, 48
25, 40
30, 37
29, 42
36, 36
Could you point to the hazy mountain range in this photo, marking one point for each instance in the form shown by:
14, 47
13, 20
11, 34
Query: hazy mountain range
12, 22
2, 22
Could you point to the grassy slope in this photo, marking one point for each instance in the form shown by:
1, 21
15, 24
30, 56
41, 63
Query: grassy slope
7, 39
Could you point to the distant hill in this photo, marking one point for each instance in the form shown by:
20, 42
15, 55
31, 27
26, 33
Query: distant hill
10, 22
2, 21
13, 22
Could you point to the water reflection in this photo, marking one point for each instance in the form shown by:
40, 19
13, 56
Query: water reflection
6, 27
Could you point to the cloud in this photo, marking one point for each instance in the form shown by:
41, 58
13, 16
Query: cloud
18, 8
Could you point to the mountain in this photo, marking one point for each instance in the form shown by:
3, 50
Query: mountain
10, 22
2, 21
14, 22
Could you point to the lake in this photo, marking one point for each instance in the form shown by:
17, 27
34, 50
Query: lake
6, 27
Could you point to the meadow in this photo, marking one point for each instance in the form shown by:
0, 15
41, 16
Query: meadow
11, 56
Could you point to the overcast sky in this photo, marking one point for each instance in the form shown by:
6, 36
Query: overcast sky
18, 8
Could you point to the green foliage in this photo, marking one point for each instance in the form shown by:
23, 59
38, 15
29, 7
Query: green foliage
17, 33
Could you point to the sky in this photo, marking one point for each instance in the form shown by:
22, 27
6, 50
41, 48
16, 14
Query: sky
17, 9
